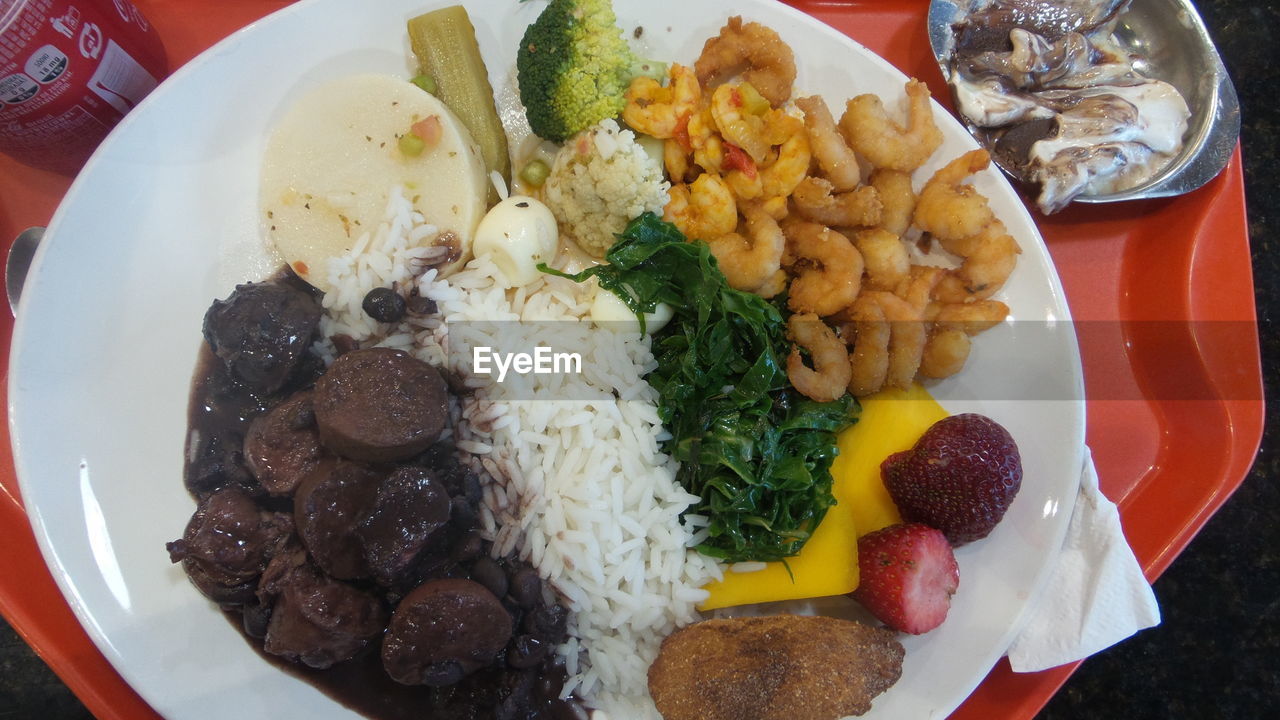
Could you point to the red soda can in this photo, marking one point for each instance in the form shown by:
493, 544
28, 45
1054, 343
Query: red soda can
69, 70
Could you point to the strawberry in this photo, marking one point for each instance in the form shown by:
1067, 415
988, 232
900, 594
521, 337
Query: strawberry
907, 575
960, 477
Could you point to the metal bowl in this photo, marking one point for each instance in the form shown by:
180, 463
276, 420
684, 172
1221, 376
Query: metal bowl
1177, 49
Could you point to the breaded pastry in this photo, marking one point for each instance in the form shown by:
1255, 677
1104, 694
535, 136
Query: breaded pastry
782, 667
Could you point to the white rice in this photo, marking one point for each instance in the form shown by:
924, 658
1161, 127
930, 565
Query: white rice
391, 255
581, 490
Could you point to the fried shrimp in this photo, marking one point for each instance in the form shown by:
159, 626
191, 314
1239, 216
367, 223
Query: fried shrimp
702, 209
740, 171
867, 332
704, 140
680, 152
827, 269
754, 132
950, 209
745, 186
960, 219
752, 261
658, 110
897, 199
918, 287
729, 162
945, 353
710, 156
774, 285
736, 125
781, 177
754, 50
885, 258
882, 141
834, 155
985, 269
676, 160
830, 374
971, 318
815, 200
776, 207
906, 339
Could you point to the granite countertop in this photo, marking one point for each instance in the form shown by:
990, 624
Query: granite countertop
1217, 652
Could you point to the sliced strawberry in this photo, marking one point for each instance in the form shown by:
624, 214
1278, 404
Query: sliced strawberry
908, 574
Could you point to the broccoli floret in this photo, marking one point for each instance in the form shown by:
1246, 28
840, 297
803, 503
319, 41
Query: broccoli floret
574, 67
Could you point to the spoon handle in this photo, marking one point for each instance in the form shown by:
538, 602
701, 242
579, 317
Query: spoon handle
19, 261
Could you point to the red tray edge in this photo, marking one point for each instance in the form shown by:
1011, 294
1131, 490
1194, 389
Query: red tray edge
37, 624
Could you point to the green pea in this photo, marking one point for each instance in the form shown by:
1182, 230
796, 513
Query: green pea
426, 82
535, 173
411, 145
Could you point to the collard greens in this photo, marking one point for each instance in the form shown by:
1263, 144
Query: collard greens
758, 453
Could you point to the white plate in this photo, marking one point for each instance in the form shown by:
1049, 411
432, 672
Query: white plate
164, 219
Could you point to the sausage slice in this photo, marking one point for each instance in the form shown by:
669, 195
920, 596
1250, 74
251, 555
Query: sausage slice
442, 631
380, 405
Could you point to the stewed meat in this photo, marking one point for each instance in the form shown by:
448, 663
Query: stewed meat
442, 631
315, 619
328, 508
228, 543
218, 462
262, 331
380, 405
283, 446
460, 481
408, 510
384, 515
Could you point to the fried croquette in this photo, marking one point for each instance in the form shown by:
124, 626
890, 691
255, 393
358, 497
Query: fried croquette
781, 667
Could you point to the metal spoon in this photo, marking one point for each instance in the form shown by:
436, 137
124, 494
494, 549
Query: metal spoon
1178, 49
15, 268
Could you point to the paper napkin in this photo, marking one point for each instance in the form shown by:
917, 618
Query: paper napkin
1096, 596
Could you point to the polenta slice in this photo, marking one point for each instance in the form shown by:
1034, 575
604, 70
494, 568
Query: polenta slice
334, 158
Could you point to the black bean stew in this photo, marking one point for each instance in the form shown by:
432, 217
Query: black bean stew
340, 533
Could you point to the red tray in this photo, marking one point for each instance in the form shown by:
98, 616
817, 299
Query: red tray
1162, 292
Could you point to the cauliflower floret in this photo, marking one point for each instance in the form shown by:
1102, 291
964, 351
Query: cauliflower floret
600, 180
